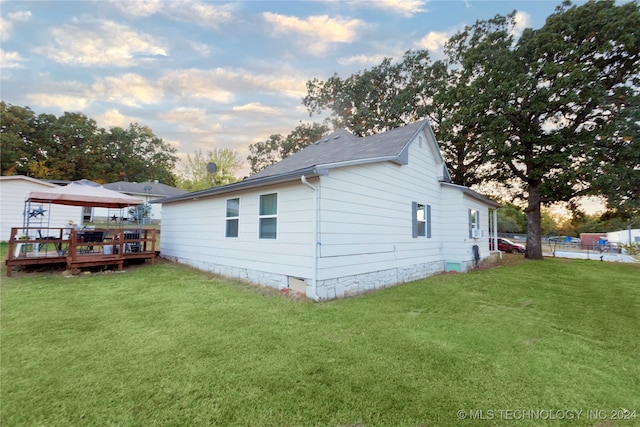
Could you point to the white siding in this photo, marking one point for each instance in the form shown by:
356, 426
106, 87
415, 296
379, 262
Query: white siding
13, 192
193, 232
366, 216
456, 227
364, 231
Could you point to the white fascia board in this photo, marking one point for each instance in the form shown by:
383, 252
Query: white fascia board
359, 162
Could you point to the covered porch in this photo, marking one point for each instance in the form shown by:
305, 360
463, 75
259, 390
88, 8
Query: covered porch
76, 249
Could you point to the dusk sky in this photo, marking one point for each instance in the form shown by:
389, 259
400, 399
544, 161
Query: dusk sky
206, 75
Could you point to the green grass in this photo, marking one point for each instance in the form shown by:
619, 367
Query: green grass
168, 345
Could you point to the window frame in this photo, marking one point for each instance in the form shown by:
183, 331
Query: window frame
269, 216
474, 221
230, 218
416, 221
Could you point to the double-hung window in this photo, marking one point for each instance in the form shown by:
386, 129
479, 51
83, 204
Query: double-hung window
268, 226
421, 220
233, 217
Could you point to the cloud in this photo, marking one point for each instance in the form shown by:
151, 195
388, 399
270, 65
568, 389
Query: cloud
362, 59
62, 102
139, 8
20, 16
200, 48
208, 15
5, 29
434, 41
128, 89
105, 43
406, 8
254, 107
186, 116
523, 20
114, 118
221, 85
316, 33
194, 83
6, 25
10, 59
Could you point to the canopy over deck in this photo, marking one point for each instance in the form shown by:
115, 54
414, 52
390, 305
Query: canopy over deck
83, 193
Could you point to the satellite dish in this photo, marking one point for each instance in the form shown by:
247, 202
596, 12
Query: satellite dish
212, 167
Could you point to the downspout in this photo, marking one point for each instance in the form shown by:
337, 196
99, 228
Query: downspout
316, 233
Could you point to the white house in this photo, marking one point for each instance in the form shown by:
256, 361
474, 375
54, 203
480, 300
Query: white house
13, 193
341, 217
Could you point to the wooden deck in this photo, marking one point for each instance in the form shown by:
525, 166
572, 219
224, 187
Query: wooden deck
78, 249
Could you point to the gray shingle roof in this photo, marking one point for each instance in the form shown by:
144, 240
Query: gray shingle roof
342, 146
140, 188
339, 148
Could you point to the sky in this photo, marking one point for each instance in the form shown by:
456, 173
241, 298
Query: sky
205, 74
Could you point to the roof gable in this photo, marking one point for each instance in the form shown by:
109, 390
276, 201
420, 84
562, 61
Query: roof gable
338, 149
341, 147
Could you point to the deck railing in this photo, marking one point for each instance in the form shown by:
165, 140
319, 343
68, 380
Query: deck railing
78, 247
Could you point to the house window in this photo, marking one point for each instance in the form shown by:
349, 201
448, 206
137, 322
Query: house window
233, 217
268, 216
421, 217
474, 222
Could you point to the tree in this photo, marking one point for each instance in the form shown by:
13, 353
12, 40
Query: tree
511, 219
72, 147
69, 147
392, 94
16, 148
195, 176
551, 97
618, 173
277, 147
137, 154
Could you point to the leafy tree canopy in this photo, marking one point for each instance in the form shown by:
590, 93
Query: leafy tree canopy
552, 97
552, 113
73, 147
277, 147
195, 176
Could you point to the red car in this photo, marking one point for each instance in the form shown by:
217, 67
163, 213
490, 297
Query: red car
506, 245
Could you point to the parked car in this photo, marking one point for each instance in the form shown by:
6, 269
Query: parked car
507, 245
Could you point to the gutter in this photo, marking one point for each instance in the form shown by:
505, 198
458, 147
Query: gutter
316, 235
246, 184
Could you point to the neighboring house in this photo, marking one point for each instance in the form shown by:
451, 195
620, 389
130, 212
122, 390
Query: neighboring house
341, 217
13, 193
147, 191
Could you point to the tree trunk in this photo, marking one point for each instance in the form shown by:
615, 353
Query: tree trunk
534, 230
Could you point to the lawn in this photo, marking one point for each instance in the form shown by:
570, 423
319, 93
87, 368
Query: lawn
521, 344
